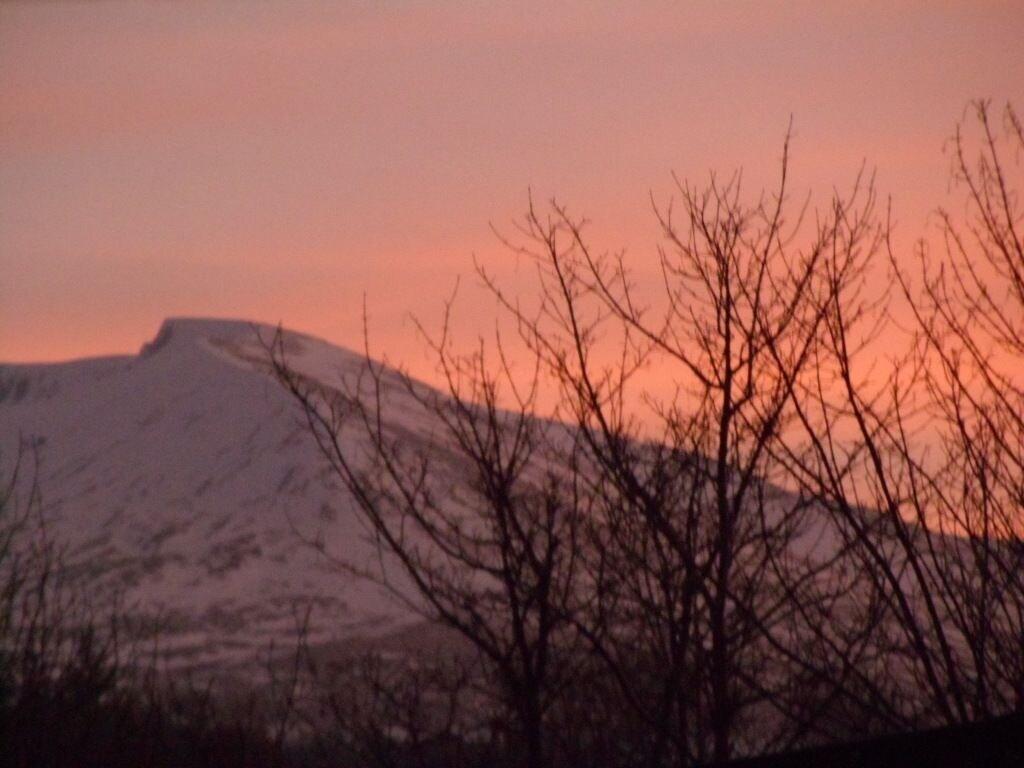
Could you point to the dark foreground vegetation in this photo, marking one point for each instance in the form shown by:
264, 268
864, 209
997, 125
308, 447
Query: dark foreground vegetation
993, 742
814, 534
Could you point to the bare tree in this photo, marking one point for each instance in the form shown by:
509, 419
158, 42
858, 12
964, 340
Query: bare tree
969, 309
696, 549
919, 459
478, 513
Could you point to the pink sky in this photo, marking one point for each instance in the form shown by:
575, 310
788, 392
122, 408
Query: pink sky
276, 161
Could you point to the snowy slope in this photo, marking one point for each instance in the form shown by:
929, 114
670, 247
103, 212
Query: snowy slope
186, 476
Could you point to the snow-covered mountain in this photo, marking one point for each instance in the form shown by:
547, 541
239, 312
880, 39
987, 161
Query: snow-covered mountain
185, 478
185, 475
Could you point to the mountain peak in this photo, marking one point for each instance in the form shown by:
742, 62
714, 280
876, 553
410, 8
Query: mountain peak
187, 329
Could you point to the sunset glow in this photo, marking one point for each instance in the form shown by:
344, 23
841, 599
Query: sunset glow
276, 162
